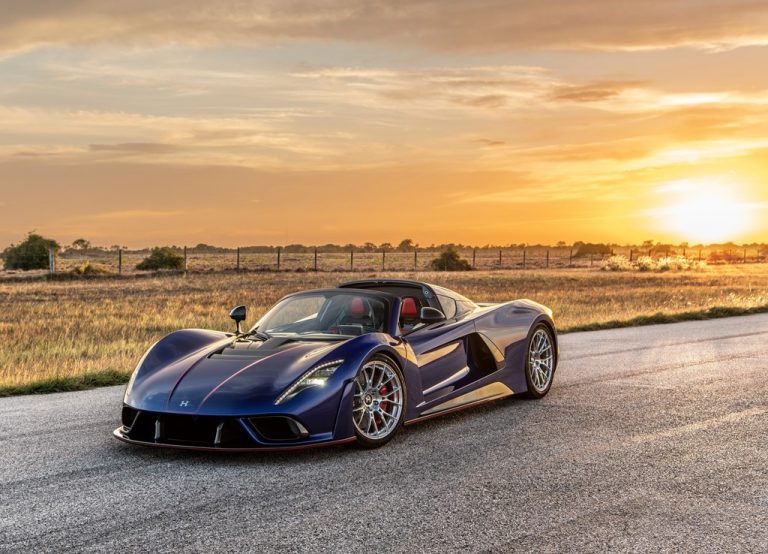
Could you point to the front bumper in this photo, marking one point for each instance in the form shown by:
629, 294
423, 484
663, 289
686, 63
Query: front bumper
218, 433
120, 435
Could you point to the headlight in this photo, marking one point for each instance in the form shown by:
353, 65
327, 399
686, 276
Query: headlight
315, 377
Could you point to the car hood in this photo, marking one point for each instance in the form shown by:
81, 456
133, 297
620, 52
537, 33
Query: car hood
229, 375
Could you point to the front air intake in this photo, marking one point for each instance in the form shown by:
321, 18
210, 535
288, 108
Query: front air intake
278, 428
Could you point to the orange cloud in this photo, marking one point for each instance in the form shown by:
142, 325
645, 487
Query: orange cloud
472, 25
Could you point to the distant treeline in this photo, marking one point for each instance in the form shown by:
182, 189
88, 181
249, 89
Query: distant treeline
579, 248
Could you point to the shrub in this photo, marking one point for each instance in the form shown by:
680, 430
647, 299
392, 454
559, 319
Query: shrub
645, 263
30, 254
162, 258
90, 269
617, 263
449, 260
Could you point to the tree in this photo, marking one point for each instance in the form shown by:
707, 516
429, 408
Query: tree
32, 253
406, 245
162, 258
449, 260
561, 244
81, 244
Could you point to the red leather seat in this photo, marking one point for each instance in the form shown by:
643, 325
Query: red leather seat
357, 307
409, 314
409, 309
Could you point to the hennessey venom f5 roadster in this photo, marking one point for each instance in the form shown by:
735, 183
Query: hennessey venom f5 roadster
349, 364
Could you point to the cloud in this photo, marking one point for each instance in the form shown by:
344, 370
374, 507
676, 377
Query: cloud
490, 142
475, 88
134, 214
485, 101
454, 25
136, 148
594, 92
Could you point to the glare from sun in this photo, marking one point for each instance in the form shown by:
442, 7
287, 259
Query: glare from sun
704, 212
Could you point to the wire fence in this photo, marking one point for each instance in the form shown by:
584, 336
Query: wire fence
124, 261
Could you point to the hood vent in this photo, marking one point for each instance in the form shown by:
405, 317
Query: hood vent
251, 349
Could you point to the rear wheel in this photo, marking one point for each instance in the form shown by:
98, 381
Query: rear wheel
540, 361
378, 403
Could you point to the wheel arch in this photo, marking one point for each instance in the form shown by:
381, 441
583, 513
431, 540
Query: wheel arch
550, 324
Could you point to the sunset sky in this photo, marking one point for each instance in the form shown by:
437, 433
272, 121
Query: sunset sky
233, 122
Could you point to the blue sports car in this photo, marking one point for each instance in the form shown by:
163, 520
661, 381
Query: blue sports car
348, 364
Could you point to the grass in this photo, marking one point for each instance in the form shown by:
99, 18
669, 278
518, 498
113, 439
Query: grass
69, 335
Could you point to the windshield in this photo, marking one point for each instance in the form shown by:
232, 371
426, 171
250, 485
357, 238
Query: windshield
325, 313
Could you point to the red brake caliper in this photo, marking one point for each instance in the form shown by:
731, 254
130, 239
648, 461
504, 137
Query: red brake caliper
383, 392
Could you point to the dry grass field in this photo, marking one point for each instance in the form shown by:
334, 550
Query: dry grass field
70, 334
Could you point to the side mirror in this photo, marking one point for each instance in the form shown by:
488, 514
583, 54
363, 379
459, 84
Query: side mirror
238, 314
431, 315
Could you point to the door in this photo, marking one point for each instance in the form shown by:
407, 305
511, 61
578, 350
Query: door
441, 354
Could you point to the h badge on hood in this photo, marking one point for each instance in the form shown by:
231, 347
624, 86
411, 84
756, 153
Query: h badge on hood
184, 404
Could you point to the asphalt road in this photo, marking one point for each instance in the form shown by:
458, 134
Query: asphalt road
652, 439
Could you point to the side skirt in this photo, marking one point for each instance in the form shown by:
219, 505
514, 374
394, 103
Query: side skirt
492, 391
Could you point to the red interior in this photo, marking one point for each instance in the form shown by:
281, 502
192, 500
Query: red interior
409, 308
357, 307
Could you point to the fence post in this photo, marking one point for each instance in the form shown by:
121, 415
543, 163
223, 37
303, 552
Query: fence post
745, 256
591, 260
352, 260
683, 251
699, 254
631, 253
649, 252
315, 259
524, 259
279, 251
474, 257
51, 260
570, 258
547, 259
383, 259
499, 259
238, 258
415, 260
119, 261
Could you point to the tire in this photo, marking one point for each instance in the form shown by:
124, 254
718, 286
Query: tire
378, 402
540, 361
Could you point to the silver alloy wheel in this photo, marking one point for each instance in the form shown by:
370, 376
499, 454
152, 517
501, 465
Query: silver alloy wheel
377, 404
541, 360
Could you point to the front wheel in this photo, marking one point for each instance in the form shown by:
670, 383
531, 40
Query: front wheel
540, 361
378, 403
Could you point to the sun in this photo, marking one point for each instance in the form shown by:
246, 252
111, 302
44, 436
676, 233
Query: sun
704, 212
